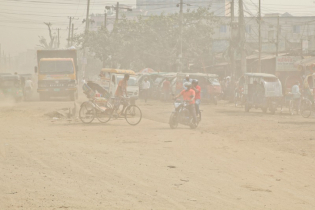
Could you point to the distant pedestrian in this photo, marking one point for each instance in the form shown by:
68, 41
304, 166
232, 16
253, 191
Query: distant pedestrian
146, 88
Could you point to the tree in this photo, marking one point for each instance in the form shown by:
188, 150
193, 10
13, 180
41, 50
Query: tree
153, 41
42, 40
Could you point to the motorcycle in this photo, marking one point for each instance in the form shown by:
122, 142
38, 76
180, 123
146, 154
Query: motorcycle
181, 115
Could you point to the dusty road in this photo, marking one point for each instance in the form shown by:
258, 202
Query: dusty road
234, 160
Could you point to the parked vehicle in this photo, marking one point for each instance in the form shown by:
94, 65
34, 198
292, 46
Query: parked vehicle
57, 74
11, 87
262, 91
111, 77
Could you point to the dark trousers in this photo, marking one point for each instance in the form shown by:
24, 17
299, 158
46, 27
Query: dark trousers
145, 93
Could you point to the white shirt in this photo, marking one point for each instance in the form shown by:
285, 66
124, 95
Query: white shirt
296, 91
146, 85
28, 84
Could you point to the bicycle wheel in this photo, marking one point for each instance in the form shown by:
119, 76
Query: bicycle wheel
133, 115
306, 108
87, 113
105, 115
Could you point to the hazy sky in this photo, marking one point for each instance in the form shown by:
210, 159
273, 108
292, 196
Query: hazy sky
21, 21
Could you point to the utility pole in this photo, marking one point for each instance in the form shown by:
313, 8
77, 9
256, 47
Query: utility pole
105, 19
259, 13
241, 26
302, 48
70, 19
84, 60
72, 34
231, 42
0, 60
87, 21
58, 38
278, 33
117, 11
181, 35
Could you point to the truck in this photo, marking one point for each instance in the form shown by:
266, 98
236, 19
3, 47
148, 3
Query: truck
57, 74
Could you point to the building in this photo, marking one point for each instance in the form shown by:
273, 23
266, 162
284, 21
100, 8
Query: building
291, 30
218, 7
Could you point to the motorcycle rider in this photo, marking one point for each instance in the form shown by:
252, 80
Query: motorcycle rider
189, 96
197, 90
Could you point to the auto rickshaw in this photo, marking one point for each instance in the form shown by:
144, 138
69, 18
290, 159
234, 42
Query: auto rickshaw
11, 87
262, 91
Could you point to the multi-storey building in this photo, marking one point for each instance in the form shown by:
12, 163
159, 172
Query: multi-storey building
218, 7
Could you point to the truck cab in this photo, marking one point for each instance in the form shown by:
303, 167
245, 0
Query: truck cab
57, 74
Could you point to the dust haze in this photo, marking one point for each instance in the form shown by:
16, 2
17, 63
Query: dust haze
142, 104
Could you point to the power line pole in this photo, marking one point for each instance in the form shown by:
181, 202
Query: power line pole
0, 60
87, 21
105, 19
72, 34
259, 13
84, 60
242, 37
58, 38
278, 33
231, 42
70, 19
117, 11
181, 35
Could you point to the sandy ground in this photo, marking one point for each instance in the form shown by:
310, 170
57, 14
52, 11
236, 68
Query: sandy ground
234, 160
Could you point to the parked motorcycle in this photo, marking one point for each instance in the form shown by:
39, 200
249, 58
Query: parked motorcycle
181, 115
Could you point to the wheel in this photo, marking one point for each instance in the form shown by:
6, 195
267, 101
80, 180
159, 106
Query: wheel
173, 121
87, 113
306, 108
106, 115
133, 115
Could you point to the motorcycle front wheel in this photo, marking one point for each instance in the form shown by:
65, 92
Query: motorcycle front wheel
173, 121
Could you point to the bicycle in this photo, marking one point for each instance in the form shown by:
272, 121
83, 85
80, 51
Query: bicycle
108, 110
307, 107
